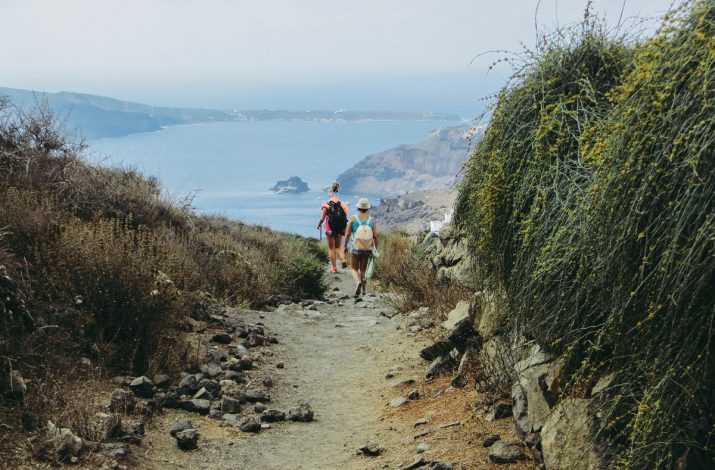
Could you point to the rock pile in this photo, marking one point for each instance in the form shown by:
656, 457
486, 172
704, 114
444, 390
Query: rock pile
221, 387
185, 434
529, 380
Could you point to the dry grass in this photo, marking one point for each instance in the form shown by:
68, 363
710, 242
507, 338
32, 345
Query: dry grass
404, 270
98, 263
461, 445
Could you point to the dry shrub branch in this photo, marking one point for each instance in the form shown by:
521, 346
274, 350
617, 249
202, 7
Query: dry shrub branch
414, 283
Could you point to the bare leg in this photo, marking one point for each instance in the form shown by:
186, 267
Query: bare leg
363, 268
354, 266
331, 251
338, 244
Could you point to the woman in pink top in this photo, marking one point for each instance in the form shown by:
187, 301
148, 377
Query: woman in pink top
335, 216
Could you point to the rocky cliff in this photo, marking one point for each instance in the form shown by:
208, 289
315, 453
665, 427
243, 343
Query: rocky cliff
413, 212
293, 185
431, 164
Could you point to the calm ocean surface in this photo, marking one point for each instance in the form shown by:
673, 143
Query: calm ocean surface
231, 166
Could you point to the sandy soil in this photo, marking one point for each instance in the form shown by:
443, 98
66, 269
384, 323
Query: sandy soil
336, 358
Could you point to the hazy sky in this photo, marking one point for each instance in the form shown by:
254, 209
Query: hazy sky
358, 54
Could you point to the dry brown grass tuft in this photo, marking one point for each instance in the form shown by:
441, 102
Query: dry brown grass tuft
410, 276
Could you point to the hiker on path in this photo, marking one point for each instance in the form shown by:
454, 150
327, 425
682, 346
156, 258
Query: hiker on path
360, 239
335, 216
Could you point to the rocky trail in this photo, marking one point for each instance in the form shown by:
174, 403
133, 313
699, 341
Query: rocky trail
357, 366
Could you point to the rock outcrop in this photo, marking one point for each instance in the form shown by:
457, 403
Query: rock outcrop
431, 164
292, 185
413, 212
568, 436
525, 381
449, 255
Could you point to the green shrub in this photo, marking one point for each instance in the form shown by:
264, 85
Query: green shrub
302, 276
113, 272
590, 200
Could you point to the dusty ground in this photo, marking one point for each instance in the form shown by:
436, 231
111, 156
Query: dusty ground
337, 358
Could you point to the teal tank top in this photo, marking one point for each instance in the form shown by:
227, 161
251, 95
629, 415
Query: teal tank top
358, 221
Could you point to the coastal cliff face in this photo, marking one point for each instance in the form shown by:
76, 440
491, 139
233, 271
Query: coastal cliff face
433, 163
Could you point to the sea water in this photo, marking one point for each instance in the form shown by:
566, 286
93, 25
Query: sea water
229, 167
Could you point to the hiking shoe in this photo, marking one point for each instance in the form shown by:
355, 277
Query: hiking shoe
358, 287
333, 270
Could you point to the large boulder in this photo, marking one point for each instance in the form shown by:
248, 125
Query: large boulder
519, 410
540, 385
458, 316
455, 251
143, 387
461, 273
568, 437
432, 246
507, 451
489, 312
534, 356
538, 398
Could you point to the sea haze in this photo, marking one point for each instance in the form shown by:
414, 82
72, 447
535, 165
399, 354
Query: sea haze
231, 165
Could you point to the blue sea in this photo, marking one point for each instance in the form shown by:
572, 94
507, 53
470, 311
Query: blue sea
229, 167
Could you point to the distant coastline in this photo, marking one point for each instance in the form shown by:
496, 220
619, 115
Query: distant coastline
99, 117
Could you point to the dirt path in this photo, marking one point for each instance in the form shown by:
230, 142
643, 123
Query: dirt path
336, 358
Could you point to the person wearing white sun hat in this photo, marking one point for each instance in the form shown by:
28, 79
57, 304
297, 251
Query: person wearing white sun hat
360, 240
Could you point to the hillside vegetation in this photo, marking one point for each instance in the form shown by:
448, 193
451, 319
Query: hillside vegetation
590, 201
95, 263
